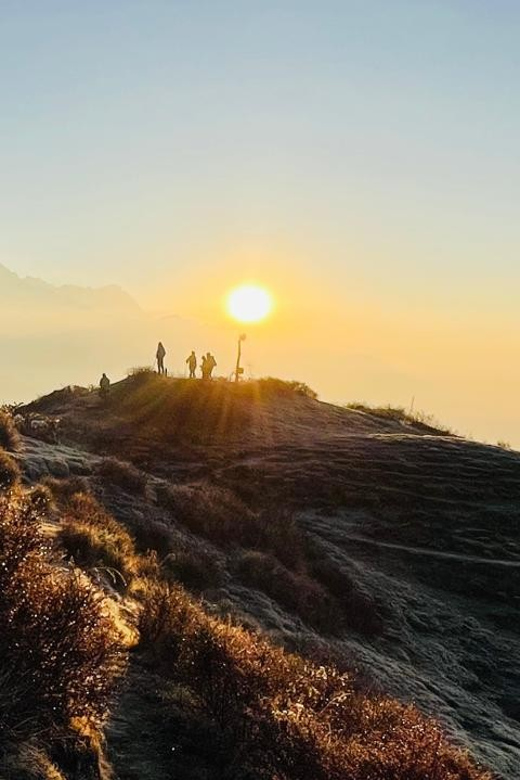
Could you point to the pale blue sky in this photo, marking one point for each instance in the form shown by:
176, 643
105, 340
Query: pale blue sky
363, 155
380, 136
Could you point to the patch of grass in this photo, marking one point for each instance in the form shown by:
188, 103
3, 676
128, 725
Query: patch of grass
61, 653
121, 474
297, 592
9, 471
358, 610
399, 414
63, 489
94, 539
9, 436
270, 386
194, 568
219, 515
283, 716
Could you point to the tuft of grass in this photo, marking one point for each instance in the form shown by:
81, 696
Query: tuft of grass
295, 591
95, 540
61, 653
9, 436
270, 386
219, 515
9, 471
194, 568
121, 474
400, 415
63, 489
283, 716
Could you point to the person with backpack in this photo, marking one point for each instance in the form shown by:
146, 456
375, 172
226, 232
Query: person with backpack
211, 363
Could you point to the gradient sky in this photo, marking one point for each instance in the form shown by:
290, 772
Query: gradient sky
361, 158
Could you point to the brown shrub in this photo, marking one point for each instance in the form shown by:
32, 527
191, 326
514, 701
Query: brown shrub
121, 474
94, 539
297, 592
9, 436
284, 716
271, 386
359, 610
219, 515
195, 568
9, 471
64, 489
61, 654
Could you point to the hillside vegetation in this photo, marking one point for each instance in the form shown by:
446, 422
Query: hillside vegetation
263, 712
286, 589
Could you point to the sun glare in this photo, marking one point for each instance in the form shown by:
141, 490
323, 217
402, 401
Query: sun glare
249, 303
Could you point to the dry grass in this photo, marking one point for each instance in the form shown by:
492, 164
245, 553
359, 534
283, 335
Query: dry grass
121, 474
219, 515
95, 540
295, 591
9, 471
9, 436
399, 414
282, 716
61, 654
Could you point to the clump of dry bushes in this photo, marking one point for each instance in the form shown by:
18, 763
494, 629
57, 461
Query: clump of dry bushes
9, 436
282, 716
61, 653
122, 474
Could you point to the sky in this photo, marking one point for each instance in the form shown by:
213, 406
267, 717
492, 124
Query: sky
360, 159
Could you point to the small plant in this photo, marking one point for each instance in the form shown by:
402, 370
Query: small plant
9, 436
271, 386
94, 539
9, 471
61, 653
283, 716
123, 475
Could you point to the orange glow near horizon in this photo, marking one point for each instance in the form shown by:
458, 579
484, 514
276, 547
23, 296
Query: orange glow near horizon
249, 303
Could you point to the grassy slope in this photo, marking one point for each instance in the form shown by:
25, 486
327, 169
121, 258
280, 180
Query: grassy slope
229, 463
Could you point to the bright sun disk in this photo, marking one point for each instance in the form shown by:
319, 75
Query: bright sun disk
249, 303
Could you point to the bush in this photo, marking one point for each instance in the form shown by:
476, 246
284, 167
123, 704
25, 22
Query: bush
9, 436
64, 489
121, 474
297, 592
196, 569
9, 471
61, 653
360, 613
94, 539
271, 386
219, 515
286, 717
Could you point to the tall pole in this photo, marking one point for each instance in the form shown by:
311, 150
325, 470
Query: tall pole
239, 370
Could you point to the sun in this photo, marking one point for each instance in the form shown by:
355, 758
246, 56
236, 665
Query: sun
249, 303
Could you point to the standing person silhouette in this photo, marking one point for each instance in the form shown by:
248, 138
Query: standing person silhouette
104, 386
192, 364
204, 367
210, 364
160, 355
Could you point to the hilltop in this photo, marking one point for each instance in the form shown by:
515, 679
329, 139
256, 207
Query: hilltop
251, 521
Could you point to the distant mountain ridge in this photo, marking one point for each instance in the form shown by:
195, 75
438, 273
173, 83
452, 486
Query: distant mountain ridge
15, 289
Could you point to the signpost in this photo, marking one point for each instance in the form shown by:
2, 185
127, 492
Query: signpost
239, 370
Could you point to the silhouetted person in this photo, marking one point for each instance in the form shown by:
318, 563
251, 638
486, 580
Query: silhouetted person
160, 355
204, 367
192, 364
104, 386
210, 364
